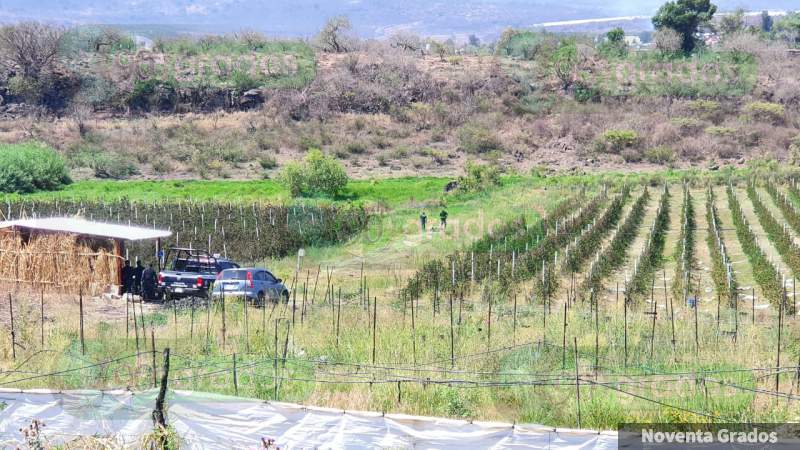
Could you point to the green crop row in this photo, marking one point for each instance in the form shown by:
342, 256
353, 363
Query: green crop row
653, 252
721, 272
613, 256
764, 272
684, 247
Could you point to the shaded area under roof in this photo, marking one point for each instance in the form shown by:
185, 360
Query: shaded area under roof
72, 225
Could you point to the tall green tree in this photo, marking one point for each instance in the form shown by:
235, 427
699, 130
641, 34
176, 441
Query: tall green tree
685, 16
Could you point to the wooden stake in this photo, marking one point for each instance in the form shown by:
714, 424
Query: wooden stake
374, 327
222, 304
80, 306
778, 360
41, 329
153, 351
235, 379
564, 341
13, 332
452, 335
577, 382
413, 333
625, 327
514, 325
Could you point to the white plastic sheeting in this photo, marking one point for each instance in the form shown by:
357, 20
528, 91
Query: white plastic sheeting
210, 421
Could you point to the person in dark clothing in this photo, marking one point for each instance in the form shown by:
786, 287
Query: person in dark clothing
443, 219
149, 281
423, 220
137, 277
127, 277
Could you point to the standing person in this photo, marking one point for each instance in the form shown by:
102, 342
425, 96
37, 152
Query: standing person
423, 220
137, 277
149, 283
443, 219
127, 277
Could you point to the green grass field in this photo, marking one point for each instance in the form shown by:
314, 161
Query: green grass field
489, 352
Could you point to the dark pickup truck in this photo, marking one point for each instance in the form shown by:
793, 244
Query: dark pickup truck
190, 272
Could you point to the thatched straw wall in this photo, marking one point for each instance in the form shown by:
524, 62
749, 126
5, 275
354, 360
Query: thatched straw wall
56, 262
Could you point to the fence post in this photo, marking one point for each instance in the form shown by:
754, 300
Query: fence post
13, 333
159, 418
577, 381
153, 350
235, 380
80, 305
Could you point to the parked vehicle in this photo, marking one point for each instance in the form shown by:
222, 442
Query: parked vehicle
191, 272
258, 285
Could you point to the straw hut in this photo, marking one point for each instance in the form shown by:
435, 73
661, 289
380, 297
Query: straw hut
66, 253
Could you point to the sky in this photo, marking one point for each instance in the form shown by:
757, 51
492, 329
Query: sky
371, 18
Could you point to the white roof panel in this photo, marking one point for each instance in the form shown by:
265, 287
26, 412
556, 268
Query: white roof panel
72, 225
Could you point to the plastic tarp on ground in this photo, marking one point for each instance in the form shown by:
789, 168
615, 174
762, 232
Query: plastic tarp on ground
211, 421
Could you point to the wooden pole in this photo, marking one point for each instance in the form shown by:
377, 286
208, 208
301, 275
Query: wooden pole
153, 351
596, 334
135, 323
413, 333
696, 326
13, 332
235, 379
338, 315
41, 329
222, 304
564, 340
625, 326
80, 306
514, 325
275, 363
489, 328
159, 417
374, 327
577, 382
452, 334
778, 360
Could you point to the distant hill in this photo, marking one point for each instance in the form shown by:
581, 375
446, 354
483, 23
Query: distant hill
372, 18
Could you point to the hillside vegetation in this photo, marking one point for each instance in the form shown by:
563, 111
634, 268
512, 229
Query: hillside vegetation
243, 105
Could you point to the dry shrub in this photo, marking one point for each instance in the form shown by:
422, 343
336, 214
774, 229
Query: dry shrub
696, 148
60, 262
664, 134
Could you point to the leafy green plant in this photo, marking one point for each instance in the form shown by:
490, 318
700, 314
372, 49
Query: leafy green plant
659, 155
318, 174
479, 177
773, 113
476, 138
31, 167
615, 141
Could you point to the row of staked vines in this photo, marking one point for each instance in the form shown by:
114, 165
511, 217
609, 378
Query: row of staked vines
652, 255
722, 273
585, 245
248, 232
787, 207
779, 234
580, 248
613, 256
764, 272
684, 252
515, 252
